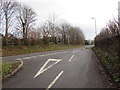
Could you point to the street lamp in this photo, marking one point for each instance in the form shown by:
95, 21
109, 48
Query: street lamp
95, 25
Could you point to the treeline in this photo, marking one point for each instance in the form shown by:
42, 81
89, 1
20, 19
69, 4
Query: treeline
108, 42
108, 39
18, 27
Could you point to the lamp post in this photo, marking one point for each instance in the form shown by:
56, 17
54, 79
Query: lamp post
95, 25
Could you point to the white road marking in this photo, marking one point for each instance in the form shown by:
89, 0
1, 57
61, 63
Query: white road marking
43, 69
34, 56
71, 58
18, 59
42, 55
26, 57
53, 82
54, 59
76, 51
72, 55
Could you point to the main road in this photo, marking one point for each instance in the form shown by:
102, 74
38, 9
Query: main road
71, 68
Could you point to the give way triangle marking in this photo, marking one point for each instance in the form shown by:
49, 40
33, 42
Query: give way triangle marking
43, 69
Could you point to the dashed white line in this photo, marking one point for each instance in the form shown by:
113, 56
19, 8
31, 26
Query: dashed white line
34, 56
71, 58
72, 55
26, 57
53, 82
18, 59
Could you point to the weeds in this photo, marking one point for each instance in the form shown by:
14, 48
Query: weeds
111, 64
8, 68
17, 50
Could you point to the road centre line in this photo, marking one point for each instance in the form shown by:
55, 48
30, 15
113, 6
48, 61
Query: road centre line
71, 58
53, 82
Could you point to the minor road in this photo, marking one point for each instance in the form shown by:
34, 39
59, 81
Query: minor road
72, 68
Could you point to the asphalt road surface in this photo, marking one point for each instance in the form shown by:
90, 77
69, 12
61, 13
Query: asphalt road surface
71, 68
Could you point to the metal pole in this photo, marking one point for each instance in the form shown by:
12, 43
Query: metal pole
95, 26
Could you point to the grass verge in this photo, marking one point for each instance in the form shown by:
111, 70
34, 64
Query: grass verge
17, 50
111, 66
8, 68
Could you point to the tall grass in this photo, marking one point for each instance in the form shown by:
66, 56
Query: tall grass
16, 50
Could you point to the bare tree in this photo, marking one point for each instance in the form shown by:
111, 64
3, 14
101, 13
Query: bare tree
45, 33
111, 30
64, 28
8, 11
76, 35
26, 20
52, 27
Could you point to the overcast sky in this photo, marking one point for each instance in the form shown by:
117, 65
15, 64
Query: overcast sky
76, 12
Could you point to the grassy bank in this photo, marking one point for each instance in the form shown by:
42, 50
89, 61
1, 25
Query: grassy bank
8, 68
17, 50
110, 64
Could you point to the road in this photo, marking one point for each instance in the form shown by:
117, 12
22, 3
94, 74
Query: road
71, 68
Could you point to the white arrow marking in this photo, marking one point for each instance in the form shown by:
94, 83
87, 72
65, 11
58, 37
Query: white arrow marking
43, 69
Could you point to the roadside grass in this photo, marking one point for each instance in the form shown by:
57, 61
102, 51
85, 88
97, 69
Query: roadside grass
17, 50
8, 68
110, 64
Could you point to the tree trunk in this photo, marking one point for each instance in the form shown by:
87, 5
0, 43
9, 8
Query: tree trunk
24, 35
6, 30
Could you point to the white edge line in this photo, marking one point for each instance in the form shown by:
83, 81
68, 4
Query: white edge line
53, 82
40, 55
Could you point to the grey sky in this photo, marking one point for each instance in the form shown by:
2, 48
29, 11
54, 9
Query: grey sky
76, 12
